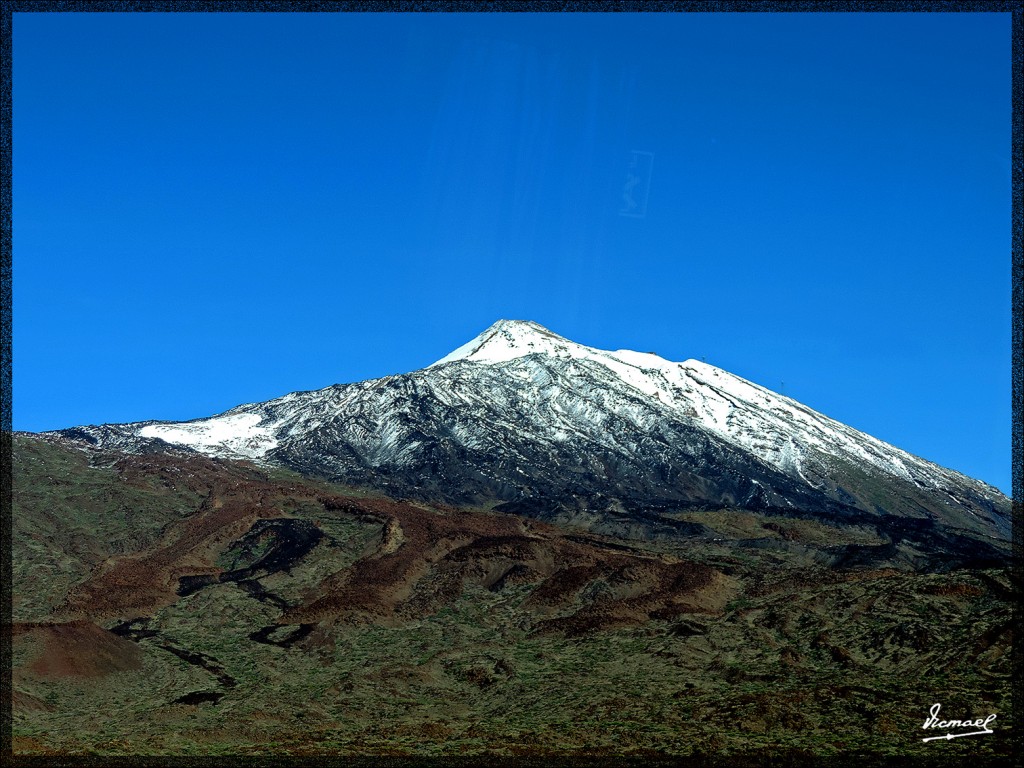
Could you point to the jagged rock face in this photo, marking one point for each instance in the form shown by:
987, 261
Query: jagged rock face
523, 416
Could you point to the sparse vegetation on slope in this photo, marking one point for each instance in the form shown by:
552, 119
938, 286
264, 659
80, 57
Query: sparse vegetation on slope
192, 606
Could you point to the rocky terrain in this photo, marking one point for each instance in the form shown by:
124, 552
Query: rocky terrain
525, 421
173, 603
531, 548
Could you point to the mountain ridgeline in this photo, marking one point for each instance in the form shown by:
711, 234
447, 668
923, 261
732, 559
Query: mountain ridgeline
626, 443
529, 548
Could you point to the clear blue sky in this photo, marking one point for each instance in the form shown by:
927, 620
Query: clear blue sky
215, 209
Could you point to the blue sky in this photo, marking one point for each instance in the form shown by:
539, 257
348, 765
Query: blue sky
214, 209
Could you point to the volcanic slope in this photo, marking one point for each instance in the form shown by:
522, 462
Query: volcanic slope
176, 604
621, 441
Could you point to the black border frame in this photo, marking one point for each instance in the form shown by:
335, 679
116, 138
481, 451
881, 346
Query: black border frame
10, 7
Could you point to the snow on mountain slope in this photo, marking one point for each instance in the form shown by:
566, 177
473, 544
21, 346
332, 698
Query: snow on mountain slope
776, 429
508, 339
519, 411
237, 435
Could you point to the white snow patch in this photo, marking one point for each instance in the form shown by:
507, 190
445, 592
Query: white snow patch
238, 434
773, 427
510, 339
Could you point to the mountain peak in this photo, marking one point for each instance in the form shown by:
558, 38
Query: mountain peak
509, 339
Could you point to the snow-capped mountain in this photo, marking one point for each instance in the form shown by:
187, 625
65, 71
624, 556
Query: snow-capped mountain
521, 415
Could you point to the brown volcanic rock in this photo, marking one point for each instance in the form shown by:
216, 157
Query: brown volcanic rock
138, 584
78, 649
637, 592
495, 669
414, 540
426, 558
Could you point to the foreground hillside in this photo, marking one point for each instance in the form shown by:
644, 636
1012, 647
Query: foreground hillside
174, 603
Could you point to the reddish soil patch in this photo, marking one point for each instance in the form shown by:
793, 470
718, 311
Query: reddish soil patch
414, 539
425, 559
31, 746
138, 584
77, 649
